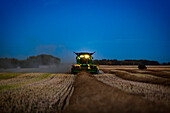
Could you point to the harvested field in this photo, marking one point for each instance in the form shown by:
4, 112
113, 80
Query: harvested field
35, 92
158, 73
92, 96
150, 67
139, 77
152, 84
119, 89
155, 93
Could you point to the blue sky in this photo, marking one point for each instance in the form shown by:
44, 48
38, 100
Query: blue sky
115, 29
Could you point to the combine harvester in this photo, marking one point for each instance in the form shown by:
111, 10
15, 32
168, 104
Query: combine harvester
84, 63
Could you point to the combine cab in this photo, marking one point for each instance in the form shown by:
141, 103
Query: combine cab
84, 63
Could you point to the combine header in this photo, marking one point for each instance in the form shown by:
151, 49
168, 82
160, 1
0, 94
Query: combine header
84, 63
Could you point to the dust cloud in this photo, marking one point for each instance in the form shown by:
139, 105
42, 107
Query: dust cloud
60, 68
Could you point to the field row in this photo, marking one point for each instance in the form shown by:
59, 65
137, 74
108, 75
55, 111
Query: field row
35, 92
149, 84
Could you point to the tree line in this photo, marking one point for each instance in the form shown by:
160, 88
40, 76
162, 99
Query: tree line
30, 62
126, 62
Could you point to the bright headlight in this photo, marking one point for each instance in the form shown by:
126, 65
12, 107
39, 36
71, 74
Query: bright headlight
86, 56
81, 56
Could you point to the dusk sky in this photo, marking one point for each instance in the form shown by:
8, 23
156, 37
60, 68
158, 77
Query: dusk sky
115, 29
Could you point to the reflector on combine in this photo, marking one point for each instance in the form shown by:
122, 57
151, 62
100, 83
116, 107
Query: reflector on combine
84, 62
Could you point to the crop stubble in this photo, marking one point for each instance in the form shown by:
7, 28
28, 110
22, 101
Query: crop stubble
36, 92
119, 89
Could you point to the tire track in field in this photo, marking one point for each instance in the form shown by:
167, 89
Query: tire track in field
93, 96
157, 73
138, 77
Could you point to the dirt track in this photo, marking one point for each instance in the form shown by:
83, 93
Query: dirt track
93, 96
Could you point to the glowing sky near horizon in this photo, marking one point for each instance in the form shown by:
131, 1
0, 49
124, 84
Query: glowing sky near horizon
115, 29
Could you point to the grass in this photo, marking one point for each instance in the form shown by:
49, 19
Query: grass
8, 75
43, 76
6, 87
23, 80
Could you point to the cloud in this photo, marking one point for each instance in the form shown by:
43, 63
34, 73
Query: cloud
61, 51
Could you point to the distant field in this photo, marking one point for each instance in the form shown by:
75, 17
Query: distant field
119, 88
153, 67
